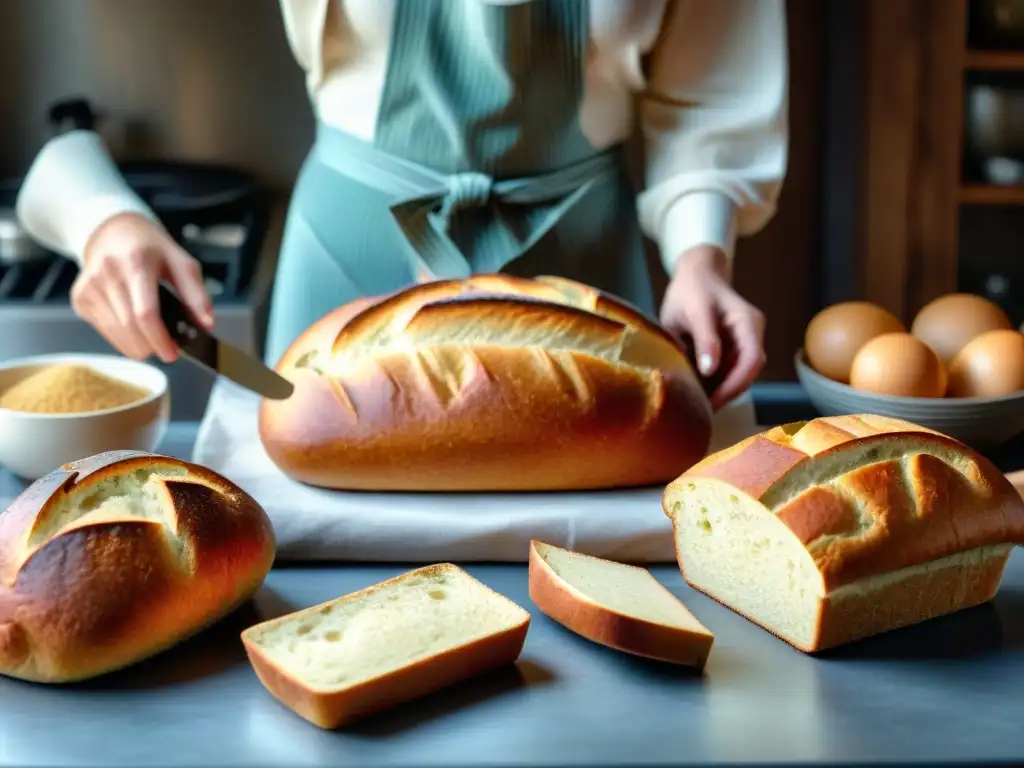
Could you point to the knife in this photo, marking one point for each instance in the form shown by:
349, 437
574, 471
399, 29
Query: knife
216, 355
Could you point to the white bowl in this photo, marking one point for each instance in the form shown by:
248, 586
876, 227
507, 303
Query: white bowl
980, 422
35, 444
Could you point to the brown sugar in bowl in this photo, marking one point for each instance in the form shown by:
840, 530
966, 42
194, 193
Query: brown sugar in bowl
36, 437
70, 388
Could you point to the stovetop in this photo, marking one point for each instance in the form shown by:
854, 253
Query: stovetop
228, 251
38, 281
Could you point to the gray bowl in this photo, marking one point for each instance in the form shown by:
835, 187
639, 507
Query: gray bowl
980, 422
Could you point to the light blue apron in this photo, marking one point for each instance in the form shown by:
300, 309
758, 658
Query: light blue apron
478, 165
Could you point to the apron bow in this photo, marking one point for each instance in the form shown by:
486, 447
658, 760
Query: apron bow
466, 190
427, 199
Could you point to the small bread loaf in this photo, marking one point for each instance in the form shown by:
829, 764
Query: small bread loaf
492, 383
621, 606
114, 558
839, 528
393, 642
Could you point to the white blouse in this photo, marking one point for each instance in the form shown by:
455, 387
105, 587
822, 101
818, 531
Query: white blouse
712, 112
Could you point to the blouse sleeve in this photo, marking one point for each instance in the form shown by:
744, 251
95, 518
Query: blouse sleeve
714, 123
71, 189
73, 186
304, 22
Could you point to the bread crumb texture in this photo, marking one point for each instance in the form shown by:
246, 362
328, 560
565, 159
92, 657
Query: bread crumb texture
624, 589
617, 605
58, 389
136, 495
385, 628
832, 530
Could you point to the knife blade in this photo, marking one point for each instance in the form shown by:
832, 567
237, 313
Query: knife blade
218, 356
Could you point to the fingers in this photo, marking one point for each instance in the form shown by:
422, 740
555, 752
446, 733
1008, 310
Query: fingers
144, 308
719, 321
745, 324
128, 333
707, 347
695, 314
116, 291
117, 294
186, 276
92, 306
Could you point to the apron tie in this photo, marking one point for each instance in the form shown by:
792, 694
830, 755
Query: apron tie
466, 190
427, 199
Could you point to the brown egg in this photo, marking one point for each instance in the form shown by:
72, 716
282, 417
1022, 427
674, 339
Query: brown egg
898, 364
836, 334
949, 322
989, 365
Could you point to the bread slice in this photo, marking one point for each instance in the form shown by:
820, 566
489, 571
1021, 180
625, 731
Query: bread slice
620, 606
389, 643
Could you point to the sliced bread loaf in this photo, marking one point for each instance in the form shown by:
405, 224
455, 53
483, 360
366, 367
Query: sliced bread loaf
389, 643
620, 606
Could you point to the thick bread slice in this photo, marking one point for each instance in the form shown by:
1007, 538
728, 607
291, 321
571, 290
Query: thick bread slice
393, 642
492, 383
617, 605
835, 529
114, 558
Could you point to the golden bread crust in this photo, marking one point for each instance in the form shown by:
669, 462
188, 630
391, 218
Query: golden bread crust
85, 590
836, 529
492, 383
907, 495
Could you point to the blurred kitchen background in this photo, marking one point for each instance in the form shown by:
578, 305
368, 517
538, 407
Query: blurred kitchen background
906, 176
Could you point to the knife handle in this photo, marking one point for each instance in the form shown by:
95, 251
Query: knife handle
186, 333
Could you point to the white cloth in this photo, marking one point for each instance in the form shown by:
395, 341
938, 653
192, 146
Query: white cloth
713, 113
317, 524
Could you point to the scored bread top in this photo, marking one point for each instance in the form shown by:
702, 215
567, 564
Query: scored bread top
108, 559
496, 310
869, 494
493, 383
186, 507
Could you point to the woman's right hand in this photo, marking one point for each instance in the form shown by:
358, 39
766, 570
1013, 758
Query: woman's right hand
116, 290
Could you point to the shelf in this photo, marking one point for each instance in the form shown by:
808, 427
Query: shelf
990, 194
995, 60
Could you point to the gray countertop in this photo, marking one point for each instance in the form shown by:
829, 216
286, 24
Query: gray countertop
947, 690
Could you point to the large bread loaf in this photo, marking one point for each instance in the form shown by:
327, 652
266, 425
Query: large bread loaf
114, 558
839, 528
492, 383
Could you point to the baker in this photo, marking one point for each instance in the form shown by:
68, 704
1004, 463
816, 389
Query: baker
466, 136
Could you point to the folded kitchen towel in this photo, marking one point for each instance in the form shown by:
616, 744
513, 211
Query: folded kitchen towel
317, 524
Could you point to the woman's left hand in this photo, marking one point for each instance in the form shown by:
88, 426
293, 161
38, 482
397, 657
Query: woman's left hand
701, 303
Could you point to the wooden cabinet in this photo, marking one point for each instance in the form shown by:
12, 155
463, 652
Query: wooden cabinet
913, 87
779, 269
917, 194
